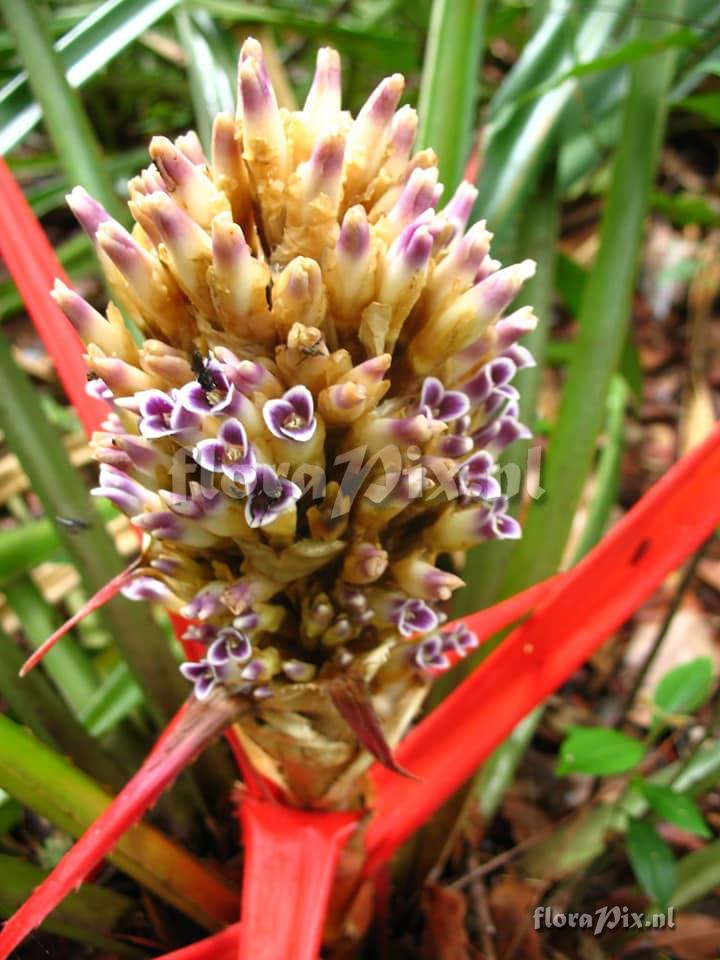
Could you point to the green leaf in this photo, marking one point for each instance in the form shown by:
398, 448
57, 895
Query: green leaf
84, 50
685, 208
67, 665
11, 813
43, 780
707, 105
698, 875
65, 119
211, 69
598, 751
652, 861
571, 280
627, 53
603, 317
446, 104
519, 139
354, 36
674, 807
686, 687
85, 916
116, 697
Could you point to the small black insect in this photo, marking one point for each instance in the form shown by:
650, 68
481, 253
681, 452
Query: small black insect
203, 376
73, 524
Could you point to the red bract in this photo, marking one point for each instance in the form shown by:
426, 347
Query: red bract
290, 854
290, 858
577, 614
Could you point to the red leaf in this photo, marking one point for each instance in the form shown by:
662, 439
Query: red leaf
486, 623
193, 728
32, 264
590, 602
290, 859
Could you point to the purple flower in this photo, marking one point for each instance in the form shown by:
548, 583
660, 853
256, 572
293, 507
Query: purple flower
292, 416
202, 676
497, 524
268, 496
437, 403
474, 478
430, 655
461, 640
413, 616
231, 646
223, 398
162, 415
230, 453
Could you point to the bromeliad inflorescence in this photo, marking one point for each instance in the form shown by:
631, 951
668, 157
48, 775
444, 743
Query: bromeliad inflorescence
311, 422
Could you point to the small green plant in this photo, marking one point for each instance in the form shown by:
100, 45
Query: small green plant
603, 752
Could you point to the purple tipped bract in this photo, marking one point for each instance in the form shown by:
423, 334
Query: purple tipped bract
461, 640
475, 480
146, 588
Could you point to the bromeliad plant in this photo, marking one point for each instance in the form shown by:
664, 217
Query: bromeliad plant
295, 448
307, 431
